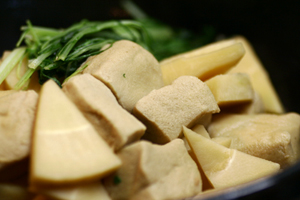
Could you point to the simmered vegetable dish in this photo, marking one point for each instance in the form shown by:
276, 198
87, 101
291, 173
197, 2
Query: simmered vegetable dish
91, 112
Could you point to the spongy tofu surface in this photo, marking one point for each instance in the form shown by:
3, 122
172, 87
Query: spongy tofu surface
116, 125
226, 167
269, 136
166, 110
17, 114
128, 69
152, 171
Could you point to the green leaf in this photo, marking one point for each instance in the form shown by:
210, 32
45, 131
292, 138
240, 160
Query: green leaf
78, 71
10, 62
24, 79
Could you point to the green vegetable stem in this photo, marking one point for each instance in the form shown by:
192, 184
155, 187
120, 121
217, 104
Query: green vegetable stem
58, 54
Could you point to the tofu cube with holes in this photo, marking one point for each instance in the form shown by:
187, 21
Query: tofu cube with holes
268, 136
98, 104
151, 171
128, 69
166, 110
17, 118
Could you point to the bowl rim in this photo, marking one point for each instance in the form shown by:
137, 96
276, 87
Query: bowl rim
255, 187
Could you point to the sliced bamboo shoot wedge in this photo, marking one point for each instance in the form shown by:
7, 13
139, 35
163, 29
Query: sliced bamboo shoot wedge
231, 89
260, 79
227, 167
66, 148
203, 65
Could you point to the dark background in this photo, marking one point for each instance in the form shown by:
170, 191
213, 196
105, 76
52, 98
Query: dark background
271, 26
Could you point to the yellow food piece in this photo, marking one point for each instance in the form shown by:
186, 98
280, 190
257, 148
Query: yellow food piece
4, 56
15, 75
129, 70
1, 85
206, 184
89, 191
205, 120
68, 154
166, 110
6, 92
98, 104
260, 80
66, 148
200, 129
202, 63
256, 106
224, 141
268, 136
230, 89
227, 167
16, 124
151, 171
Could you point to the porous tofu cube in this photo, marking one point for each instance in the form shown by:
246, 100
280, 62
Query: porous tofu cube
151, 171
98, 104
269, 136
66, 149
6, 92
226, 167
205, 120
16, 124
128, 69
166, 110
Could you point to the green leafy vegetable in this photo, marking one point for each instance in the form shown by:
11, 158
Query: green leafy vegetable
79, 70
59, 53
10, 62
24, 78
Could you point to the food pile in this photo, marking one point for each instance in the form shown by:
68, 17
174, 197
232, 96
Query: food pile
123, 125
